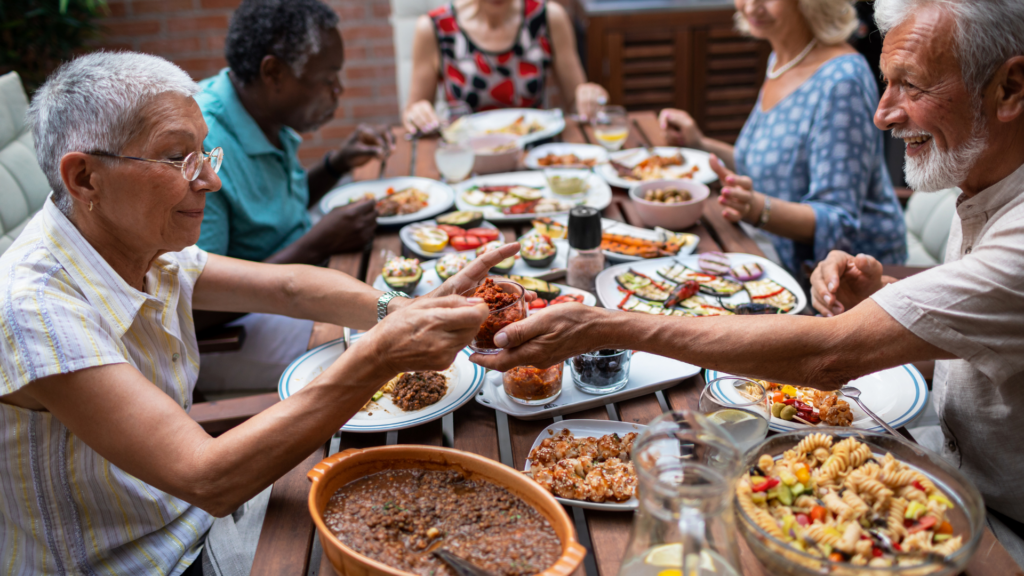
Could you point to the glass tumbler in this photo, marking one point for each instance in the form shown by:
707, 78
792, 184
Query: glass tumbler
502, 314
601, 372
740, 406
533, 386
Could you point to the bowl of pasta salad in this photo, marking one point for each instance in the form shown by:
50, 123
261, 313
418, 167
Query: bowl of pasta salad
848, 502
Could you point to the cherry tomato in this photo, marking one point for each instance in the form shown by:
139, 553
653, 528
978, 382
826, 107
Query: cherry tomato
538, 303
486, 234
917, 484
778, 397
818, 514
567, 298
461, 243
876, 552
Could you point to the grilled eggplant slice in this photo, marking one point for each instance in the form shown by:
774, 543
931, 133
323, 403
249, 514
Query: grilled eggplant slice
709, 283
771, 293
643, 286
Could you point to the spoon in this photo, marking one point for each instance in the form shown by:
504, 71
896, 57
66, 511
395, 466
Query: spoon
854, 394
461, 567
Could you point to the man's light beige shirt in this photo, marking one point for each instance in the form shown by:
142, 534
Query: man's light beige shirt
973, 306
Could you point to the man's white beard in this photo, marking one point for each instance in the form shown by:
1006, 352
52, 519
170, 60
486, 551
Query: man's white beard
934, 169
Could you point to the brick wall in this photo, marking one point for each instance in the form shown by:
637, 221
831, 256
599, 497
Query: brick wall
191, 34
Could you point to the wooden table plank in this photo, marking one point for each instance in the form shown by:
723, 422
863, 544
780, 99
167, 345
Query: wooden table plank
475, 430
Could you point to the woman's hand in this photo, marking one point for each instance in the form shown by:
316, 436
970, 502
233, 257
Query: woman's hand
420, 117
426, 334
680, 128
547, 337
842, 281
590, 97
738, 199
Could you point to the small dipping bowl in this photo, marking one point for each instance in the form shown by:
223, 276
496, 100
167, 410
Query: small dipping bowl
533, 386
568, 183
483, 342
675, 216
601, 372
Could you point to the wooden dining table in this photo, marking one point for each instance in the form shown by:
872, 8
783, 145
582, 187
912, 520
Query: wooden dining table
288, 544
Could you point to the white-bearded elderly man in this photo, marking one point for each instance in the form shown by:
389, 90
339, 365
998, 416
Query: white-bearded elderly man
955, 73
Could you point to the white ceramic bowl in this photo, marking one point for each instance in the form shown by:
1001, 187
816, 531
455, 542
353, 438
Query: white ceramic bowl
489, 162
676, 216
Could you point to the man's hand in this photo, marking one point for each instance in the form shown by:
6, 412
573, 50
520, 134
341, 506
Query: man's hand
426, 334
346, 228
420, 117
842, 281
366, 143
547, 337
590, 97
681, 129
738, 199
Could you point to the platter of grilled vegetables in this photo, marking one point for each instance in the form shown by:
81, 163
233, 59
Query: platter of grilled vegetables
709, 284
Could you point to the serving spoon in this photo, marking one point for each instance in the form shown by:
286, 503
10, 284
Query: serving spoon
462, 567
854, 394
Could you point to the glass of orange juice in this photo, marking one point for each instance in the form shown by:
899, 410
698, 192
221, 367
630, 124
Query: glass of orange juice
611, 127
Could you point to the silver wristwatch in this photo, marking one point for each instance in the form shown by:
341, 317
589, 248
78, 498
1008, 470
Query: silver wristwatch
382, 303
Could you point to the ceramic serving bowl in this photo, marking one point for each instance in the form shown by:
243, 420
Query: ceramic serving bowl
494, 153
677, 216
338, 470
967, 517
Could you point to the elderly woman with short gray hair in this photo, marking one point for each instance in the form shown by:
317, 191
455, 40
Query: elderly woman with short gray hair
809, 166
101, 468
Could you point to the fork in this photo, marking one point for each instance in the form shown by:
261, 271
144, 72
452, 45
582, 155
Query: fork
854, 394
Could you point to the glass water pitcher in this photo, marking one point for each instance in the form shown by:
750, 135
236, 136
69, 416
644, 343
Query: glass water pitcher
687, 468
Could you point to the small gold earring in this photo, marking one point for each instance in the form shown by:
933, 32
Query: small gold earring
90, 205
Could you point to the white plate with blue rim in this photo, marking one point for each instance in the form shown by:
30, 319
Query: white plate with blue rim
440, 197
591, 429
464, 380
547, 123
896, 395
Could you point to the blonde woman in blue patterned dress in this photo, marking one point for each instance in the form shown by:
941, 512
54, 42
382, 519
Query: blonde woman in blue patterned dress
102, 471
808, 166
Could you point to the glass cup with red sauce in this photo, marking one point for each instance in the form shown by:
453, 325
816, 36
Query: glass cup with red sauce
533, 386
507, 302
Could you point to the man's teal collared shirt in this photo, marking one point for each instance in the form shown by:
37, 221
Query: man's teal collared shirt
264, 195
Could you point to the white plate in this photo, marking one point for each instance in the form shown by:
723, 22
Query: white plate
464, 379
896, 395
431, 280
634, 156
647, 373
582, 151
609, 295
441, 197
599, 194
595, 429
551, 121
409, 240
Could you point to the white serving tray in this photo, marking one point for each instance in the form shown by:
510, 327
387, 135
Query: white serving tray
647, 373
596, 429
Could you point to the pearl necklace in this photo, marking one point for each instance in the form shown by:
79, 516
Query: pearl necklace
773, 74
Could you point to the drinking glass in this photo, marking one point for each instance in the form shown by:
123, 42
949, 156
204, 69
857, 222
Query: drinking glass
611, 127
747, 420
533, 386
454, 160
498, 318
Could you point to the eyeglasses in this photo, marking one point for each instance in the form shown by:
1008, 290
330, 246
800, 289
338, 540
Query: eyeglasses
191, 166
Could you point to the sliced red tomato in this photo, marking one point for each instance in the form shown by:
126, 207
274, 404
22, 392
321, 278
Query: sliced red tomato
452, 231
925, 523
567, 298
487, 234
461, 243
538, 303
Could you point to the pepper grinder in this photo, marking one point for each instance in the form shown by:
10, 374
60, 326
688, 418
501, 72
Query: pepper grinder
586, 260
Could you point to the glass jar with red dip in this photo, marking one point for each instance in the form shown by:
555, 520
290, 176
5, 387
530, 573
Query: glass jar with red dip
533, 386
507, 301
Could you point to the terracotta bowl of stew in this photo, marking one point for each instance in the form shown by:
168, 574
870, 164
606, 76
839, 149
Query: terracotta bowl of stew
345, 467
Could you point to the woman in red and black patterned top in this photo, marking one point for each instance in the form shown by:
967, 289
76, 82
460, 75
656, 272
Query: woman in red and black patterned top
495, 54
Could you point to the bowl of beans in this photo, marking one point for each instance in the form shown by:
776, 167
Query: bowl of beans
673, 204
383, 511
